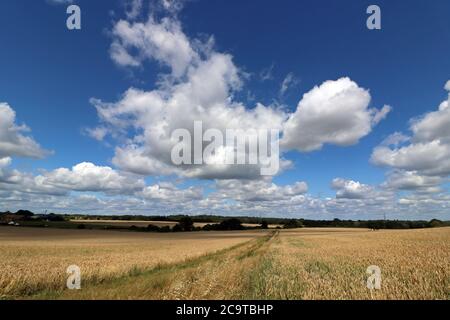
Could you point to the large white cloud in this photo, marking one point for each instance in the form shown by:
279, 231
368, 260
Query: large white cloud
204, 94
420, 202
428, 152
349, 189
431, 158
16, 182
412, 181
258, 190
84, 182
336, 112
13, 138
89, 177
83, 177
169, 192
201, 86
163, 41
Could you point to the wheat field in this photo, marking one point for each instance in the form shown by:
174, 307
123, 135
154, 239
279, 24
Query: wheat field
35, 260
319, 263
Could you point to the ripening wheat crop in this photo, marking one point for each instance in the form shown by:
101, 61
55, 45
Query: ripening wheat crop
320, 263
34, 260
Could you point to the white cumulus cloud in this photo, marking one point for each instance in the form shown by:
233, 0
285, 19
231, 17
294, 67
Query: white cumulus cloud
163, 41
89, 177
13, 138
349, 189
428, 152
201, 86
336, 112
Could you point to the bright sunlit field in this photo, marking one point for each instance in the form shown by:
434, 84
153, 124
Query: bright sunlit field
322, 263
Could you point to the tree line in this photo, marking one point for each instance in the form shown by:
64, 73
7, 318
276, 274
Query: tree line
187, 223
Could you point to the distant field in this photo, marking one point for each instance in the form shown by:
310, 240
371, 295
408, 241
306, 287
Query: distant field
130, 223
138, 223
321, 263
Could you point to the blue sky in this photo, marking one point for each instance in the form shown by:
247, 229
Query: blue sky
50, 74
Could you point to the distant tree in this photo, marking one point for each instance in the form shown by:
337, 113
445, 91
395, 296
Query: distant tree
54, 217
225, 225
177, 228
376, 225
336, 222
153, 228
209, 227
436, 223
165, 229
264, 225
231, 224
24, 213
292, 224
186, 224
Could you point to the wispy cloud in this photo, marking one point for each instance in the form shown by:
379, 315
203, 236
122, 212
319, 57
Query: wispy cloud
289, 82
59, 1
267, 73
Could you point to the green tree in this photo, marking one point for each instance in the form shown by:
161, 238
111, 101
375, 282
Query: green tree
292, 224
186, 224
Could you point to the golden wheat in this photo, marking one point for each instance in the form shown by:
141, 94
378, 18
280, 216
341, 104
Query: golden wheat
321, 263
33, 260
316, 264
